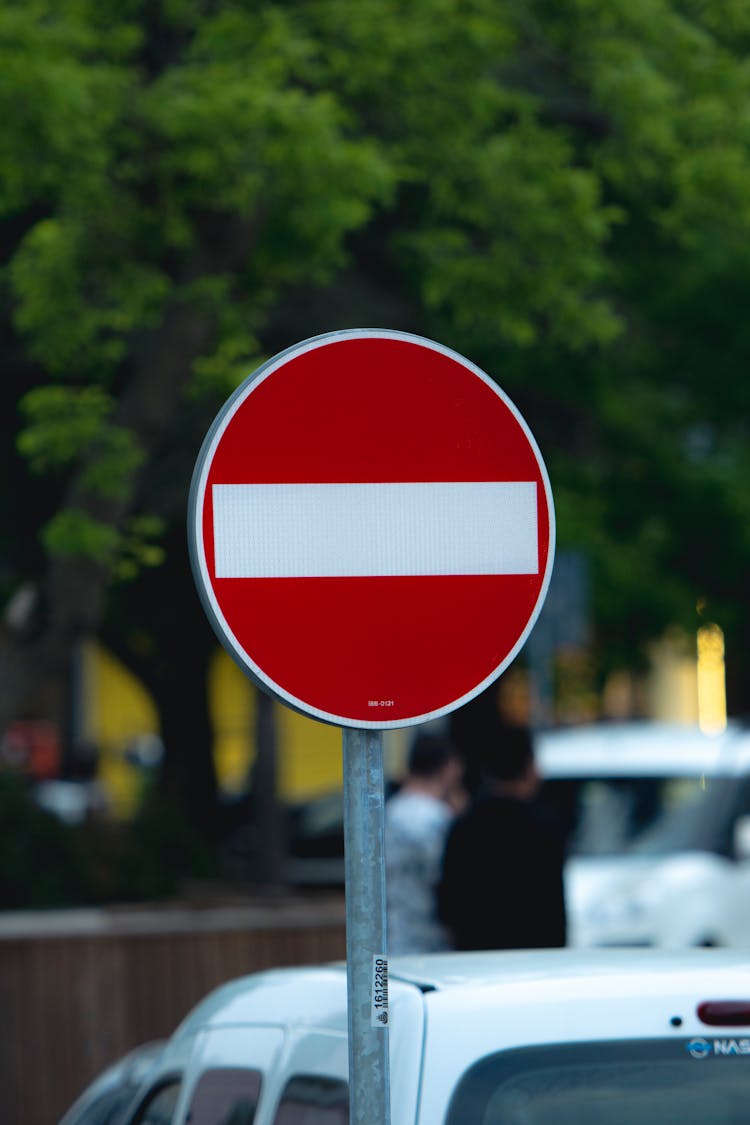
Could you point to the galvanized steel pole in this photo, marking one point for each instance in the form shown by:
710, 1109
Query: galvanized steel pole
366, 950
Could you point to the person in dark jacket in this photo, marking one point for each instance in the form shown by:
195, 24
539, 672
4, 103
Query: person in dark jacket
502, 879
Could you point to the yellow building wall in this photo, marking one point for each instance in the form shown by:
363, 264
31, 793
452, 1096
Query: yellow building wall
231, 701
310, 757
118, 711
309, 751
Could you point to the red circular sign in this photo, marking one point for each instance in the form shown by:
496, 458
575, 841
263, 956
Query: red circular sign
371, 528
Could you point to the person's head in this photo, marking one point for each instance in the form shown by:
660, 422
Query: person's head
434, 762
508, 762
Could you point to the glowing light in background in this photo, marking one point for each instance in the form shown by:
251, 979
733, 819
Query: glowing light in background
712, 699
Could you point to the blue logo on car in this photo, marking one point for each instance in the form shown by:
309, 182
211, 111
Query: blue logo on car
699, 1048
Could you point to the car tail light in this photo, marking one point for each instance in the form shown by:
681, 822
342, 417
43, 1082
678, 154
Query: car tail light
725, 1013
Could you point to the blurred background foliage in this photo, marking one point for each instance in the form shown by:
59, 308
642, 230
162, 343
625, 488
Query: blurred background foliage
560, 191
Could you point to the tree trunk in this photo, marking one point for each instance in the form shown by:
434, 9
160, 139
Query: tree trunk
268, 814
69, 603
188, 770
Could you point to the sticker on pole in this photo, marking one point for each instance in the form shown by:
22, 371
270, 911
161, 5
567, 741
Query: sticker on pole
379, 992
371, 528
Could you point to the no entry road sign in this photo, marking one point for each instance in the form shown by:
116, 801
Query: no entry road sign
371, 528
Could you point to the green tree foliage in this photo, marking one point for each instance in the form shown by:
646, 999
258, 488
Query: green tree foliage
559, 190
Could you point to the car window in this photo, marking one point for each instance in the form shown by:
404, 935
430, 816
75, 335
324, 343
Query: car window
313, 1100
106, 1108
159, 1106
645, 1082
652, 815
225, 1096
108, 1097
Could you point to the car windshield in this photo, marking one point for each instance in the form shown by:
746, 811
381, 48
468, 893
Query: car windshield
649, 815
643, 1082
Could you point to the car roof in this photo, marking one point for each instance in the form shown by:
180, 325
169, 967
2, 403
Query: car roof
559, 969
641, 749
316, 996
312, 996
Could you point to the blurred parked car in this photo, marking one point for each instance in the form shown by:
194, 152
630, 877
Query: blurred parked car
658, 822
560, 1037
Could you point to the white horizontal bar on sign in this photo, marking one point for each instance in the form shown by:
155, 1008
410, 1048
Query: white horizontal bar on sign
356, 530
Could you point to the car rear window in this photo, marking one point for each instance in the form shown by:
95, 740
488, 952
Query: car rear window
225, 1096
643, 1082
160, 1104
310, 1099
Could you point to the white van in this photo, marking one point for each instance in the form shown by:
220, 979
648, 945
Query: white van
658, 822
559, 1037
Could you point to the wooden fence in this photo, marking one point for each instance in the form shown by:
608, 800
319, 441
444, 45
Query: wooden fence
78, 989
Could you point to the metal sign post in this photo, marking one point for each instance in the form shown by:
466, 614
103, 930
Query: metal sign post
366, 950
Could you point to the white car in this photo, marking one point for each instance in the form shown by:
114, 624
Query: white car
658, 822
561, 1037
